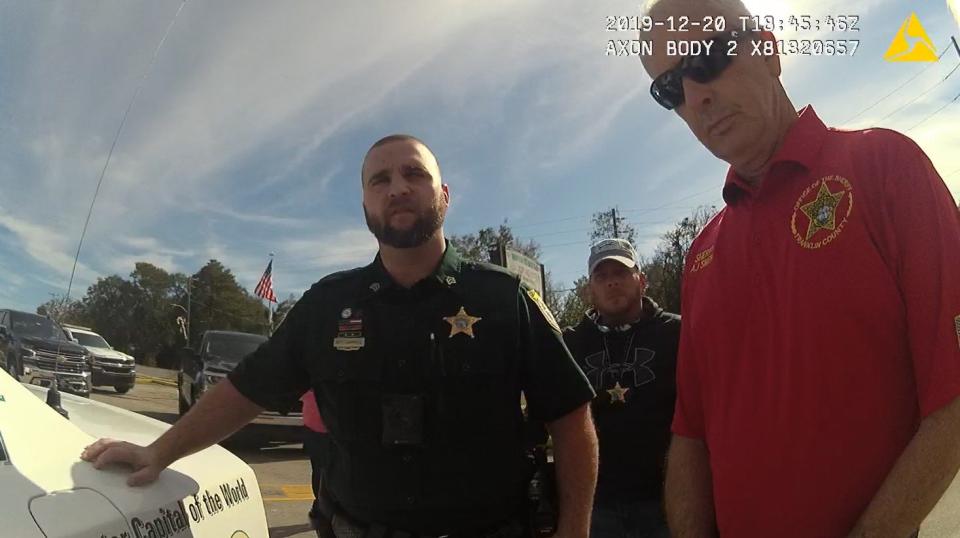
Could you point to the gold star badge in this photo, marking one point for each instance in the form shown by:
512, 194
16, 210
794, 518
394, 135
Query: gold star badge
461, 323
822, 212
618, 393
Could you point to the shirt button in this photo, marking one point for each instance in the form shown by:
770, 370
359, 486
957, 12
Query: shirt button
401, 363
341, 374
411, 499
466, 367
407, 458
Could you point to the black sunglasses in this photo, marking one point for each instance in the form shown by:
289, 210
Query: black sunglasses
667, 89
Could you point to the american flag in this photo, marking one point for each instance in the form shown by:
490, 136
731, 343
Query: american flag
264, 288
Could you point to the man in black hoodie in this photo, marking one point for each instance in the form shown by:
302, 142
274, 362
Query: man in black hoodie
627, 346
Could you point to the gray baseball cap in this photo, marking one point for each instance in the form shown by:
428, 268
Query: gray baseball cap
612, 249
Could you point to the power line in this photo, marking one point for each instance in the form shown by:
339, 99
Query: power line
636, 224
935, 112
584, 242
629, 222
694, 195
534, 236
916, 97
587, 241
895, 90
551, 221
951, 71
640, 210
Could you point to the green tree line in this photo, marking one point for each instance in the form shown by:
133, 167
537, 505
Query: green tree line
664, 268
139, 314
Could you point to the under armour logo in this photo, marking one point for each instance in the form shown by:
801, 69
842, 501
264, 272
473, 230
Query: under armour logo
633, 372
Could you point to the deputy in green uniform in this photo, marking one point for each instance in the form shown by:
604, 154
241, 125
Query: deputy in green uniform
417, 361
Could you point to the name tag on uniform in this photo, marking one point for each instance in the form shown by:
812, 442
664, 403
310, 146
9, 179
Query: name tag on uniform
344, 343
349, 330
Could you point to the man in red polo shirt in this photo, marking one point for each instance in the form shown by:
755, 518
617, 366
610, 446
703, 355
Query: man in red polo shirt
819, 364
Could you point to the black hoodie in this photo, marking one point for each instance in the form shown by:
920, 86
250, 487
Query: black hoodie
633, 370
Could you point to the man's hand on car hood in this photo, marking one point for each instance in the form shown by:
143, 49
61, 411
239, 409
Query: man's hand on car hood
143, 460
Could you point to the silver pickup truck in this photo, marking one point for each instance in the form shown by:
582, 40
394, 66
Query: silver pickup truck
108, 366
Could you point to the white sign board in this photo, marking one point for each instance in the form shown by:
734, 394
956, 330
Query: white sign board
529, 269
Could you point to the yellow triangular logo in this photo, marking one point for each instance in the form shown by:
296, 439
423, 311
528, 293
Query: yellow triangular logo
911, 44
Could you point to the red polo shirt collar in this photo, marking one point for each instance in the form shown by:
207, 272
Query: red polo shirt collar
800, 146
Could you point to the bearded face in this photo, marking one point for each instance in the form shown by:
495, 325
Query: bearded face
401, 225
616, 290
404, 201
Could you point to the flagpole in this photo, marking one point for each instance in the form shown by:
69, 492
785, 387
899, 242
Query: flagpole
264, 290
269, 302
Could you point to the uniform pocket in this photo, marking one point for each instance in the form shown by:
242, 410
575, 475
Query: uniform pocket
471, 360
350, 394
474, 393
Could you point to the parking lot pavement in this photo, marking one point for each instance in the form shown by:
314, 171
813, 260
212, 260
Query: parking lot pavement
272, 446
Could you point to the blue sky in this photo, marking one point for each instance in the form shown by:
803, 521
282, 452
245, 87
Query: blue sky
248, 133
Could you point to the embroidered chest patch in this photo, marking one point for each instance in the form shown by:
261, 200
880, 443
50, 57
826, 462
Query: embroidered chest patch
702, 259
821, 212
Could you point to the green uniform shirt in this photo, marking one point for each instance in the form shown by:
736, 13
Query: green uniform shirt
464, 342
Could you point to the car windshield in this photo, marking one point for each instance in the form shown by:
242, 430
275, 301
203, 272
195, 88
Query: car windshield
233, 347
33, 325
90, 340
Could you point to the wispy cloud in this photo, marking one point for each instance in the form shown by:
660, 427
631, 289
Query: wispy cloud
248, 133
43, 244
151, 244
340, 249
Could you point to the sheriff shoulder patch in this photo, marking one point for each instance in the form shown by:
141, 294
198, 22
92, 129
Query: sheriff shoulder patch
535, 296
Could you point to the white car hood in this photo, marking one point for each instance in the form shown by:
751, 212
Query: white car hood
108, 353
46, 485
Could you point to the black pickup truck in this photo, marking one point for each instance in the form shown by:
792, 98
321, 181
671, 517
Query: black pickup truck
218, 353
34, 349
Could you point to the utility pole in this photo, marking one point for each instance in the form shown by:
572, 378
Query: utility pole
955, 45
613, 217
189, 308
